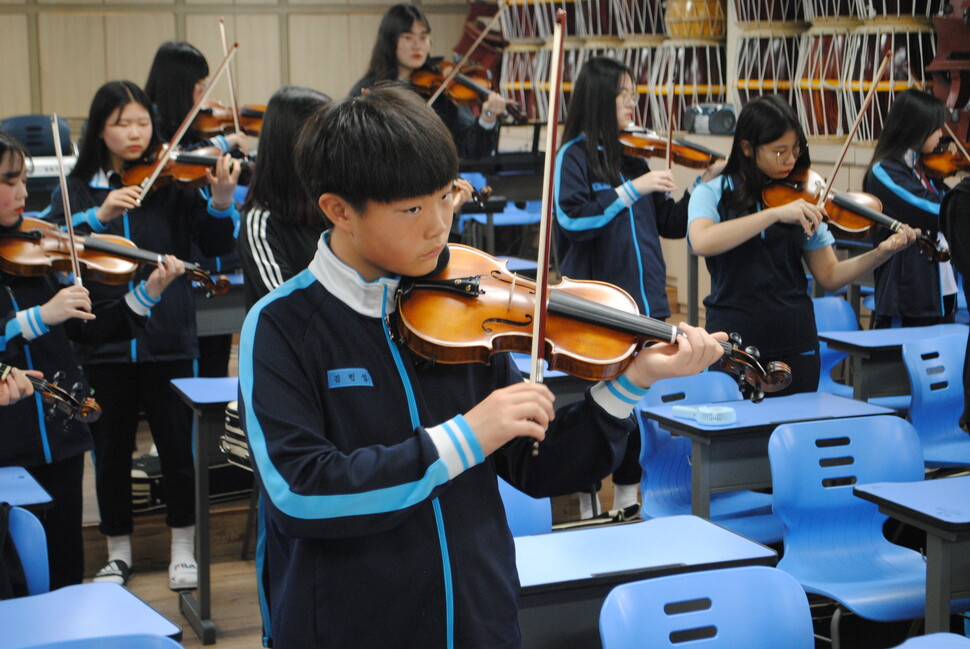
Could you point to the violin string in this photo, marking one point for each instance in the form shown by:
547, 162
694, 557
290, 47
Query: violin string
75, 264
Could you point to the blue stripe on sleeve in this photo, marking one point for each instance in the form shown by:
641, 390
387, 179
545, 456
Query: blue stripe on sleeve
586, 222
920, 203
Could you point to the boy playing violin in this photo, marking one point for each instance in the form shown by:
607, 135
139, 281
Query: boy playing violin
40, 320
379, 471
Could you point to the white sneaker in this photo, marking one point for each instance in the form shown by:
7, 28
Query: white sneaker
183, 576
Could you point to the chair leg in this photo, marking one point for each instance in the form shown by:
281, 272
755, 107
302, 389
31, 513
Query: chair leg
834, 627
250, 523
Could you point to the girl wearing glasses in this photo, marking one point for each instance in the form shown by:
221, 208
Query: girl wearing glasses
909, 291
611, 211
754, 254
402, 47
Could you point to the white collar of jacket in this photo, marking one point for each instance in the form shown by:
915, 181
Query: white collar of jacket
374, 299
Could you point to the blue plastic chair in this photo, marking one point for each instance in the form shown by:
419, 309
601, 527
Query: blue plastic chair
833, 314
834, 542
935, 369
526, 515
936, 641
836, 314
752, 607
140, 641
31, 542
665, 486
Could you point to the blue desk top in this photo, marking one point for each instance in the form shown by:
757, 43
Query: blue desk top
655, 547
19, 488
207, 391
524, 363
771, 412
76, 612
890, 338
944, 501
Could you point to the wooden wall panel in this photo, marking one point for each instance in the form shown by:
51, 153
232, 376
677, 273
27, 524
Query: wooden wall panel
316, 44
72, 61
13, 52
132, 39
257, 64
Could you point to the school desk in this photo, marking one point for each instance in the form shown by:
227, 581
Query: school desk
20, 489
565, 576
735, 456
941, 508
83, 611
208, 398
221, 314
876, 366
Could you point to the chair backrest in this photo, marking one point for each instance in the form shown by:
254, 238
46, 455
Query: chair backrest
140, 641
814, 465
31, 542
754, 607
935, 369
34, 132
666, 483
526, 515
832, 314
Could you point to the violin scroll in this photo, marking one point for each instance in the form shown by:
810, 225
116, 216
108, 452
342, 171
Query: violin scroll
60, 400
218, 287
754, 379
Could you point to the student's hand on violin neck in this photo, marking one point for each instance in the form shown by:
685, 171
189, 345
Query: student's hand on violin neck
118, 202
223, 182
695, 351
904, 238
655, 181
69, 302
493, 107
518, 410
17, 386
164, 275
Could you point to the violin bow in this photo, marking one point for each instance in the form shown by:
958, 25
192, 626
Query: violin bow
956, 141
855, 127
186, 123
537, 368
229, 77
75, 264
670, 110
464, 59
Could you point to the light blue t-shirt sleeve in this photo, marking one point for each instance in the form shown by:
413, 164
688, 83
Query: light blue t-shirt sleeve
820, 238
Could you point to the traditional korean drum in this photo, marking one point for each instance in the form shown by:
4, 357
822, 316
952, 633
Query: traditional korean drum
921, 9
636, 17
766, 65
698, 71
523, 69
818, 11
768, 11
819, 99
912, 45
703, 19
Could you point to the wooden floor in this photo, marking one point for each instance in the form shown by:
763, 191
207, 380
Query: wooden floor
235, 608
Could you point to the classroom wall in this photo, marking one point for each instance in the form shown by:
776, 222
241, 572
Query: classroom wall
57, 53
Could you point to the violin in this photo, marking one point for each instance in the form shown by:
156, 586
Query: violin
944, 164
476, 307
185, 169
851, 214
38, 248
645, 144
215, 118
469, 86
59, 399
